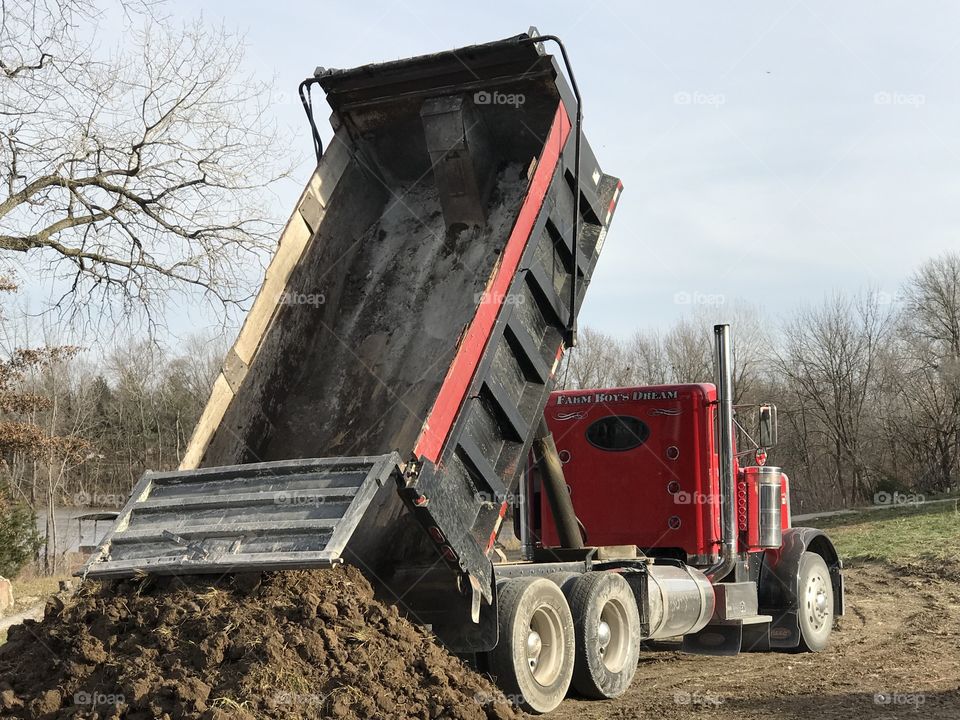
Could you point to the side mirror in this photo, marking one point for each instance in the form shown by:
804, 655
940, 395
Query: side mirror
767, 421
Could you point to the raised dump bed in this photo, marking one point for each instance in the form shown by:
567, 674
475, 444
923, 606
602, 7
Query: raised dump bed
409, 327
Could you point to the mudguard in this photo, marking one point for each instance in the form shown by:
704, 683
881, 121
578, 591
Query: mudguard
779, 577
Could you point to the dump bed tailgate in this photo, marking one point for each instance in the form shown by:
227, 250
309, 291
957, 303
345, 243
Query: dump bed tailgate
274, 515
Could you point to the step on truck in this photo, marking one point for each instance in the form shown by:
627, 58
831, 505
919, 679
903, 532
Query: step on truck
383, 405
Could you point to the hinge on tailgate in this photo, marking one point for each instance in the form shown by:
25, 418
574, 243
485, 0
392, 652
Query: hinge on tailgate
196, 549
411, 472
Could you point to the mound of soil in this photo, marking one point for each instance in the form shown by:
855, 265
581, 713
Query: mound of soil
304, 644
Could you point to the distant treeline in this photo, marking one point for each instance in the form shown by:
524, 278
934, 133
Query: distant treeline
79, 432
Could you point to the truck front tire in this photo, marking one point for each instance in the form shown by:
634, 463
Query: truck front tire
814, 603
533, 661
607, 626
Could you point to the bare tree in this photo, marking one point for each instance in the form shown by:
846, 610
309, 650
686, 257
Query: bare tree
751, 353
933, 302
928, 367
199, 362
135, 174
598, 361
683, 354
647, 360
830, 362
687, 347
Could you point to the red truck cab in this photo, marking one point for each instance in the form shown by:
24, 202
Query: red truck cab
642, 468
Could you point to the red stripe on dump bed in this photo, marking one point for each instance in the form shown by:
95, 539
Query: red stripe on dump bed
437, 426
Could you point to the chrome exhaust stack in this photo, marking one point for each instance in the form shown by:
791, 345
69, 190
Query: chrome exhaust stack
728, 486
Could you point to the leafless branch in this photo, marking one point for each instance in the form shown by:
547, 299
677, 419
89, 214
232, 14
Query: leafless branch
138, 176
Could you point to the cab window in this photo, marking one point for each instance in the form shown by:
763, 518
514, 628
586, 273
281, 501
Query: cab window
618, 432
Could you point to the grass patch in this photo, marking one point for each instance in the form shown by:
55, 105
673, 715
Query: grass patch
36, 586
925, 532
31, 589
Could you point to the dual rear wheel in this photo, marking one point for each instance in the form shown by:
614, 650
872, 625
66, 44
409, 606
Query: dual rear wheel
582, 630
607, 627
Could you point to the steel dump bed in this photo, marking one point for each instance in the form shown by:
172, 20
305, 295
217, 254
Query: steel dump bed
407, 332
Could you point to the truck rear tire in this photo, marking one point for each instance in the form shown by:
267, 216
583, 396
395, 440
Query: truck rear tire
533, 661
814, 603
607, 626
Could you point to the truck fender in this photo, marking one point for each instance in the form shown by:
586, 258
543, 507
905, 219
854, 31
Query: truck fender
779, 578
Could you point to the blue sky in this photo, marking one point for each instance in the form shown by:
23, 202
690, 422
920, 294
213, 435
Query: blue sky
770, 152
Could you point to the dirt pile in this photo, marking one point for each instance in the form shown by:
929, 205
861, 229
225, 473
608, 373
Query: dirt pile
281, 645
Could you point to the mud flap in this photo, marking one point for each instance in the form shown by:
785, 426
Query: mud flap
480, 635
715, 640
756, 638
785, 630
731, 637
433, 596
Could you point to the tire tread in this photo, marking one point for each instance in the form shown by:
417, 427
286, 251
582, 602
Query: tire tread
581, 596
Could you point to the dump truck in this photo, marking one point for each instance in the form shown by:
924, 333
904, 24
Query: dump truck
383, 404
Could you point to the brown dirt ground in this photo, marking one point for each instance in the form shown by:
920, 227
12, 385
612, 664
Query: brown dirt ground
283, 645
896, 654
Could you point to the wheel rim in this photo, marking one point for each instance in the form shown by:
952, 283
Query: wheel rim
613, 641
818, 610
544, 647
